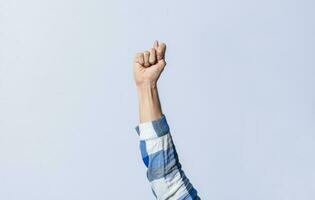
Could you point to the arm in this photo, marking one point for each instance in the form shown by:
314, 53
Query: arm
168, 181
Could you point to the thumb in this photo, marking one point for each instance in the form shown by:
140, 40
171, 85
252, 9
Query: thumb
160, 48
160, 64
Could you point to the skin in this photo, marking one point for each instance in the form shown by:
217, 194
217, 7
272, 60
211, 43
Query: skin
147, 68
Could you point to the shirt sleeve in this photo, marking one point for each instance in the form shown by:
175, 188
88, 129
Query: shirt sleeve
164, 171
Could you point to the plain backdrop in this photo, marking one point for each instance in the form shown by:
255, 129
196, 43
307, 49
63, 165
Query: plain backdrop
238, 93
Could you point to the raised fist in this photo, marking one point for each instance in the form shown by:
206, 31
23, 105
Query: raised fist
148, 65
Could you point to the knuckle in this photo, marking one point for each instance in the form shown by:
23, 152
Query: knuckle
138, 54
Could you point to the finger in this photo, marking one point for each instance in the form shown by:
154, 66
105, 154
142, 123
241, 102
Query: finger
152, 59
160, 52
146, 56
155, 44
139, 58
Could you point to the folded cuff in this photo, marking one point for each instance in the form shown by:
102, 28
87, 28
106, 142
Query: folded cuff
153, 129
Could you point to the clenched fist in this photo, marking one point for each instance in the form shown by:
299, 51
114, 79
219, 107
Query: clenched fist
148, 65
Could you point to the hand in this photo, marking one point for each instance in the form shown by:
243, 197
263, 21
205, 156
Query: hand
148, 65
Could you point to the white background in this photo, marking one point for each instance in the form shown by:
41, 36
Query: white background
238, 93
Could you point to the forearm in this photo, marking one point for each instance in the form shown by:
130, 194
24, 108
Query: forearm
149, 103
168, 180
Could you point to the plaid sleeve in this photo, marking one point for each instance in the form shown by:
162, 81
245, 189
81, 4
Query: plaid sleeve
168, 180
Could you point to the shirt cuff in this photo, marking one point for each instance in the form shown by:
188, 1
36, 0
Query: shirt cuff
153, 129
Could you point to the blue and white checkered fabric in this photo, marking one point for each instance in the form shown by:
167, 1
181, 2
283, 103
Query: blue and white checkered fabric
168, 180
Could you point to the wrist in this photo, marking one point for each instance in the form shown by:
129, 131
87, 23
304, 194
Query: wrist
148, 85
147, 92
